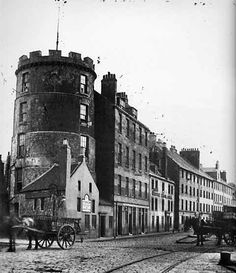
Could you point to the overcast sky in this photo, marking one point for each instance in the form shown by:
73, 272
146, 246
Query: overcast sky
174, 59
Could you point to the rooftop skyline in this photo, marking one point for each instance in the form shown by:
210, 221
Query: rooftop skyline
174, 60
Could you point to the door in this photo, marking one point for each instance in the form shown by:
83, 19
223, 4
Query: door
157, 223
119, 220
102, 225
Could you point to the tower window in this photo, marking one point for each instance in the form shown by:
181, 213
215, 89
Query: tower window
18, 179
83, 84
84, 144
134, 132
83, 112
22, 115
120, 123
25, 82
21, 145
146, 138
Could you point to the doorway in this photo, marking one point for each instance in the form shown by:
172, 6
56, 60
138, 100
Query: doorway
102, 225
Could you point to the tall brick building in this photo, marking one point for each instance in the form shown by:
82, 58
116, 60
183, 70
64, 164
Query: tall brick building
54, 101
122, 158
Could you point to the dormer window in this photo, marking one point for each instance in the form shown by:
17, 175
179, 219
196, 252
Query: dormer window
25, 82
83, 84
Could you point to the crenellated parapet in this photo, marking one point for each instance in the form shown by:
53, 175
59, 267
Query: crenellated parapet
74, 59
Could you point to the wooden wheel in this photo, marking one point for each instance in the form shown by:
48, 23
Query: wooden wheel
66, 236
46, 241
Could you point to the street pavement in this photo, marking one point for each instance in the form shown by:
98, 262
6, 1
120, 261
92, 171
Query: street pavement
104, 255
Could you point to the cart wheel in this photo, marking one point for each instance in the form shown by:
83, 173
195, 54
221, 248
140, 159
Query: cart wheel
45, 241
66, 236
229, 238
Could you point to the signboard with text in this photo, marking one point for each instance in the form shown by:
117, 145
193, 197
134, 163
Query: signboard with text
86, 204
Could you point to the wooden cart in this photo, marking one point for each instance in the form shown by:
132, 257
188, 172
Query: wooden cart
49, 229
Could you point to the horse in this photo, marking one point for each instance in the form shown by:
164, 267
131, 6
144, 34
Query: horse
202, 228
12, 224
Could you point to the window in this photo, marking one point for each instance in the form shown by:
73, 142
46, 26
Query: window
22, 115
110, 222
78, 204
186, 204
127, 186
157, 185
146, 194
140, 189
186, 189
84, 144
119, 154
140, 162
127, 157
93, 206
87, 221
163, 204
83, 84
190, 191
21, 145
79, 185
134, 132
94, 221
120, 123
163, 186
153, 183
127, 127
156, 204
42, 203
134, 187
146, 164
119, 184
83, 112
146, 138
182, 204
140, 135
25, 82
18, 178
134, 160
35, 204
182, 188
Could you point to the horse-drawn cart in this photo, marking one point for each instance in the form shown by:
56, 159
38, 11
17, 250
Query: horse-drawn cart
226, 220
47, 229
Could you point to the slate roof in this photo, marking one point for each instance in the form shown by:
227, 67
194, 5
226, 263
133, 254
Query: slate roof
186, 165
46, 181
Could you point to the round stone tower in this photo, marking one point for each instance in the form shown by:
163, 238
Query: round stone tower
54, 101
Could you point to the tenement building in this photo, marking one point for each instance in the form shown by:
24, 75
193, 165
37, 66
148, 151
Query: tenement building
122, 158
193, 187
54, 105
223, 192
161, 201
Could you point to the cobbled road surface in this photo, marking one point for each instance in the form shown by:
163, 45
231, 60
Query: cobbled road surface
123, 255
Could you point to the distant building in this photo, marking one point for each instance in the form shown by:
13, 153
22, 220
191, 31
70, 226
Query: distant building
122, 159
54, 101
223, 191
162, 195
193, 187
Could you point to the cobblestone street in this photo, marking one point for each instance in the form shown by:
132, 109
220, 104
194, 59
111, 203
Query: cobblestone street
105, 256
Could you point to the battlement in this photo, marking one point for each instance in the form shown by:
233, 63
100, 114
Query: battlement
73, 58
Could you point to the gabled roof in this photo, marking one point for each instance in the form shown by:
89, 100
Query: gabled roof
186, 165
51, 178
